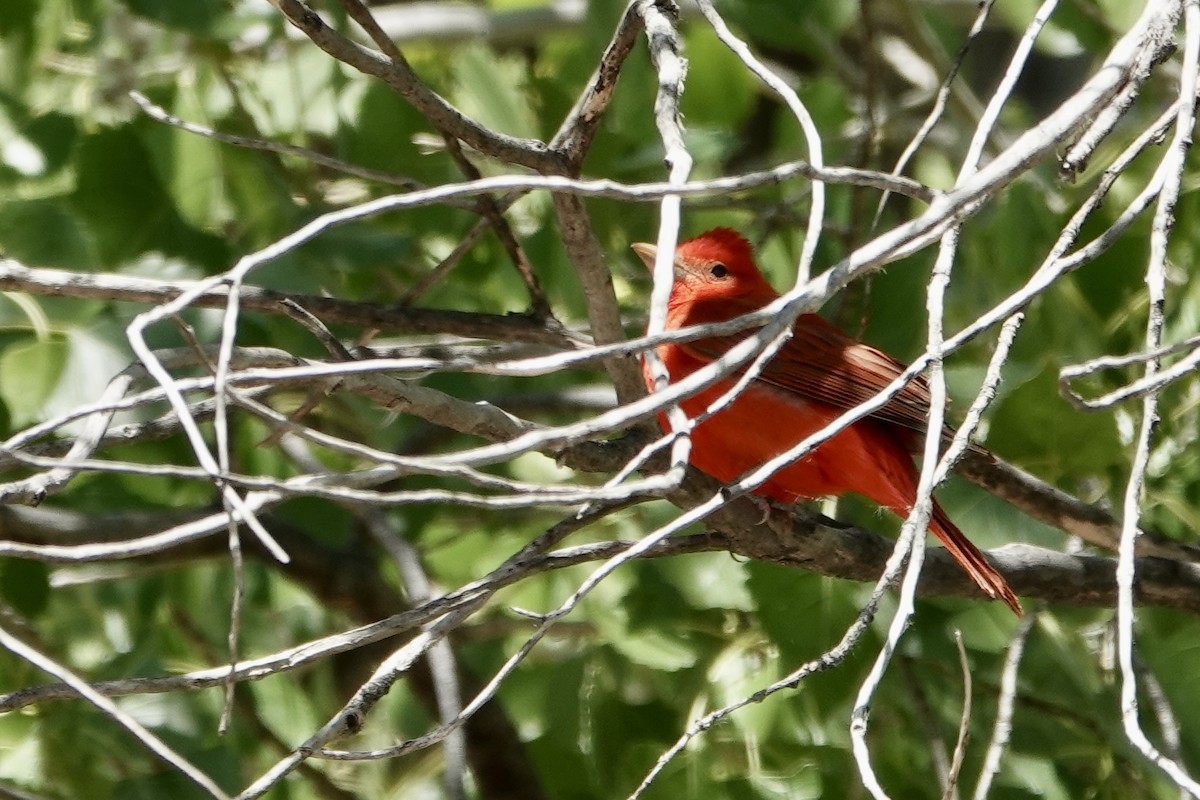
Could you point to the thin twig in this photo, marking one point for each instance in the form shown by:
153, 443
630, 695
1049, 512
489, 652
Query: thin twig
400, 77
671, 69
964, 722
1172, 167
1183, 368
110, 709
812, 136
1002, 728
157, 112
939, 102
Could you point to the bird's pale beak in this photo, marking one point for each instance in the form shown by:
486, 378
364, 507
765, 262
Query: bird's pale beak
646, 252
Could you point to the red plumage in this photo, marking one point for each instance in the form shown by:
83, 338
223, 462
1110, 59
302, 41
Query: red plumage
817, 374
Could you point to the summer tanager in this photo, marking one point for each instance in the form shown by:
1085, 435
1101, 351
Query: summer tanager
817, 374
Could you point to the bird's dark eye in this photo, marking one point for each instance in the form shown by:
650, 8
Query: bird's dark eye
718, 270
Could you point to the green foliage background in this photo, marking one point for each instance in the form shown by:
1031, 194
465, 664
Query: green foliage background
90, 184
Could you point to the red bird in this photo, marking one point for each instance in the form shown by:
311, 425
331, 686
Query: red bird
817, 375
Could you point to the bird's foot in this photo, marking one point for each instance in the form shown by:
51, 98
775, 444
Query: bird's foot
766, 505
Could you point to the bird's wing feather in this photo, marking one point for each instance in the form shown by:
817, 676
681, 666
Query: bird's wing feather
821, 363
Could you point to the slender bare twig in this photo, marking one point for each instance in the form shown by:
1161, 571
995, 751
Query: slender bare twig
111, 710
671, 67
1168, 722
157, 112
812, 136
400, 77
964, 722
939, 102
34, 489
578, 129
492, 210
1002, 728
1185, 367
1172, 168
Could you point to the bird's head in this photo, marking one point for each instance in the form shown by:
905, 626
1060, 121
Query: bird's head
717, 263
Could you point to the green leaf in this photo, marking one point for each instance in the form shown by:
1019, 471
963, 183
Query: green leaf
17, 16
126, 206
797, 25
656, 649
29, 374
54, 134
25, 585
710, 580
45, 233
119, 194
196, 179
714, 72
297, 95
382, 136
193, 16
1046, 435
799, 611
1036, 775
491, 88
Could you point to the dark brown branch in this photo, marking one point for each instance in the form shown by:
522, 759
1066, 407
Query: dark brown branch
400, 77
817, 544
575, 135
583, 248
805, 540
812, 542
492, 210
487, 206
331, 310
1051, 505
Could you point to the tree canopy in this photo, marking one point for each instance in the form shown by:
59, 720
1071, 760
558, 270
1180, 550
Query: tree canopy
330, 472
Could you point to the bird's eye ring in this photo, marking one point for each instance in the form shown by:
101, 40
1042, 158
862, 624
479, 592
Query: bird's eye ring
718, 270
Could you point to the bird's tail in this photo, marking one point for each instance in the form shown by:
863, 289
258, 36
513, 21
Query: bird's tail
972, 560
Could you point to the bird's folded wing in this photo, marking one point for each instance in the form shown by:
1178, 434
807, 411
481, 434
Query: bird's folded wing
821, 363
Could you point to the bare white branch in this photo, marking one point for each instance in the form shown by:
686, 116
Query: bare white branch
812, 136
1002, 728
111, 710
1172, 169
